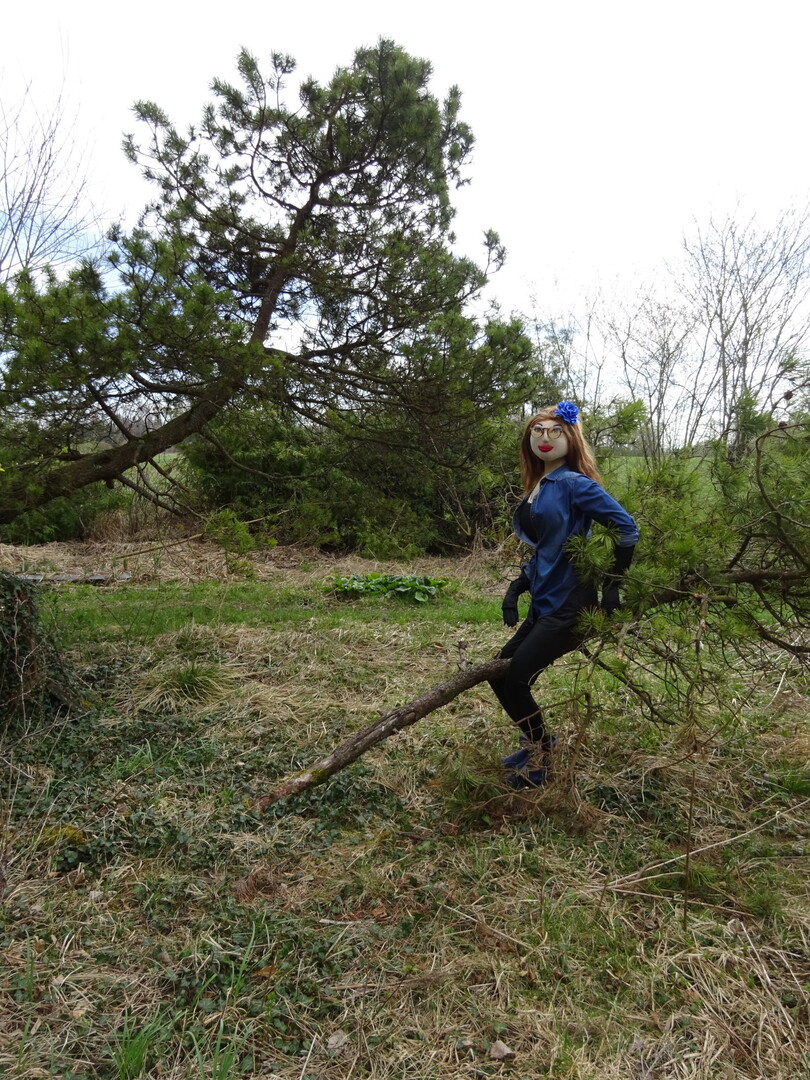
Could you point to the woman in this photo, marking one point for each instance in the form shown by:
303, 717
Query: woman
563, 496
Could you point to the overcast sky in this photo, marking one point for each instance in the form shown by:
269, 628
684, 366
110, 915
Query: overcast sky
604, 128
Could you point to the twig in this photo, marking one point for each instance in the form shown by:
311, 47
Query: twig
309, 1055
778, 690
643, 695
490, 929
643, 875
695, 900
162, 547
688, 853
184, 540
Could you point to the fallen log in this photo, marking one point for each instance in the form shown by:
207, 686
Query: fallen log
381, 729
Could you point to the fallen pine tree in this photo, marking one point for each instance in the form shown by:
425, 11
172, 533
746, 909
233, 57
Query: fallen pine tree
696, 602
405, 715
388, 724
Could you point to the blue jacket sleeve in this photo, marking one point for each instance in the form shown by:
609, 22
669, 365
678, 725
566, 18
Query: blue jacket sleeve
592, 499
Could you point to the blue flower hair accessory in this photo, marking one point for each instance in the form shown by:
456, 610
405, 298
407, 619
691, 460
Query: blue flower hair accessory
567, 411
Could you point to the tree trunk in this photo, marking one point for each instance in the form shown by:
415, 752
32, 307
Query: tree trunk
111, 463
34, 680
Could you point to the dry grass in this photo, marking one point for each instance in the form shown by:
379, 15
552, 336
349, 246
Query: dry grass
199, 560
644, 917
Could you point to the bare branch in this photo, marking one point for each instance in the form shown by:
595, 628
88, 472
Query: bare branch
45, 217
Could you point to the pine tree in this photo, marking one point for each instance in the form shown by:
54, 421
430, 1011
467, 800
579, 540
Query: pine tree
294, 253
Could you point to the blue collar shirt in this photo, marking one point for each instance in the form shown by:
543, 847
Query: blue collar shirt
566, 505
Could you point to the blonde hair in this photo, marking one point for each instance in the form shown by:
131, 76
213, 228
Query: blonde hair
579, 458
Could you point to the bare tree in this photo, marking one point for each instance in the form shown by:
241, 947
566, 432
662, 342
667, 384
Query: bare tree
652, 341
749, 288
569, 353
576, 358
718, 341
45, 215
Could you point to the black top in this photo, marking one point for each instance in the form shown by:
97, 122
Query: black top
526, 523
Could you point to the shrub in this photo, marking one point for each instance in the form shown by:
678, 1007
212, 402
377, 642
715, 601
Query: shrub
65, 519
387, 492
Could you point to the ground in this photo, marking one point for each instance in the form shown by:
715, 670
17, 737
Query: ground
646, 916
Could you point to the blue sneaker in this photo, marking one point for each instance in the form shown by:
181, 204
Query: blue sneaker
518, 775
526, 778
520, 756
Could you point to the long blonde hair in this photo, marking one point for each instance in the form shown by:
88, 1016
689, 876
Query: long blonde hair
580, 456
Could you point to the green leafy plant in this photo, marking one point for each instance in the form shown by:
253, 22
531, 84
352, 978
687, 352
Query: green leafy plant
409, 586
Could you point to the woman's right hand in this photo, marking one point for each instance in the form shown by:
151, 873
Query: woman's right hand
509, 607
510, 613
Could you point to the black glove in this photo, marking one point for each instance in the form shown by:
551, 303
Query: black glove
622, 557
510, 601
611, 601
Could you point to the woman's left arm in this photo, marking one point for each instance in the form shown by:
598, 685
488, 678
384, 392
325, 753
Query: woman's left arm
594, 501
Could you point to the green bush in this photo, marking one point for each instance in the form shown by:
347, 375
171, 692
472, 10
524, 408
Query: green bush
410, 586
65, 519
384, 492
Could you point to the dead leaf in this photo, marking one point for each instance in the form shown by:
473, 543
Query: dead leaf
337, 1042
499, 1051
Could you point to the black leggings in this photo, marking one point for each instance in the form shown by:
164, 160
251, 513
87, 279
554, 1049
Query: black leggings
536, 645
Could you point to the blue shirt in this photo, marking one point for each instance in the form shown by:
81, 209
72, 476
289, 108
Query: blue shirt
566, 505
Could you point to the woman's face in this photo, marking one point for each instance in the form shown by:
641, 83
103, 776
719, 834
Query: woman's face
549, 441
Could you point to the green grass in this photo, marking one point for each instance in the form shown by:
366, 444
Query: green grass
155, 924
142, 613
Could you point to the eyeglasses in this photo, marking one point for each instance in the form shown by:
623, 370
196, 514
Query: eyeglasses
541, 432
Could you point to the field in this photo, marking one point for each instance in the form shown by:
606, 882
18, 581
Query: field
645, 916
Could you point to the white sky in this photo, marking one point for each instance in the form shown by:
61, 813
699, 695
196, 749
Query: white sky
603, 128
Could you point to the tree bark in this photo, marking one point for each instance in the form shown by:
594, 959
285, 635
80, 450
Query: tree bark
381, 729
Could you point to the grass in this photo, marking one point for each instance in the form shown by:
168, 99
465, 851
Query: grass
142, 613
400, 919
